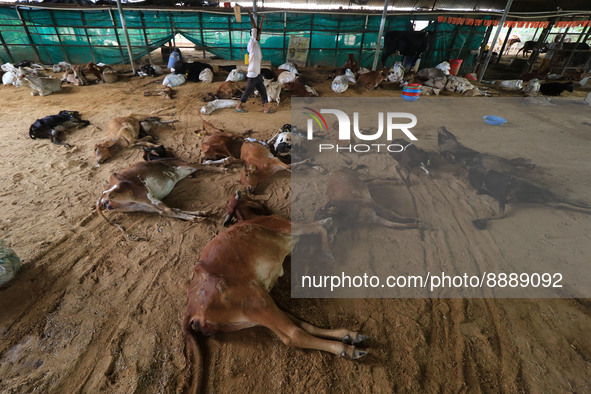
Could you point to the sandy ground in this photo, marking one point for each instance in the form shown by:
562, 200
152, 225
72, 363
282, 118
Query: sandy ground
91, 311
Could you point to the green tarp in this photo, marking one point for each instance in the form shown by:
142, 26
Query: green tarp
88, 35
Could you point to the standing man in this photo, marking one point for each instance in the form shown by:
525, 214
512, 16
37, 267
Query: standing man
255, 80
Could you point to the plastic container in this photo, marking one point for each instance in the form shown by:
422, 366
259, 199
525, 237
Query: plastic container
246, 58
172, 59
9, 263
411, 92
455, 65
494, 120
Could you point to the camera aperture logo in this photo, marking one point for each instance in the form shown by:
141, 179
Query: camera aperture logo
345, 135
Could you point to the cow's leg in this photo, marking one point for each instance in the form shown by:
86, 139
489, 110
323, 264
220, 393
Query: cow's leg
270, 316
319, 228
340, 334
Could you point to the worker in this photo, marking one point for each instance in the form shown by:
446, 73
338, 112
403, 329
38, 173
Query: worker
253, 76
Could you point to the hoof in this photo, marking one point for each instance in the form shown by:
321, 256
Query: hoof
353, 353
359, 339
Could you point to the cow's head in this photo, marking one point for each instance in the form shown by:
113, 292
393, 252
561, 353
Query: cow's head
250, 177
232, 208
105, 151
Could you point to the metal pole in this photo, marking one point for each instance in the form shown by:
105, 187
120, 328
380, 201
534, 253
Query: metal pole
380, 34
146, 37
6, 48
28, 33
117, 36
504, 45
482, 46
254, 10
124, 25
363, 38
490, 51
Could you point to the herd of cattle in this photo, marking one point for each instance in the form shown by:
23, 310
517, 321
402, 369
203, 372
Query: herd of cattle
238, 267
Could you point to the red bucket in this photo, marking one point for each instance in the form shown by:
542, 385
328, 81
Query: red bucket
455, 66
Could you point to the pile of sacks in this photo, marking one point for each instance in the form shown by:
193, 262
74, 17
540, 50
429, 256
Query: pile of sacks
438, 78
341, 82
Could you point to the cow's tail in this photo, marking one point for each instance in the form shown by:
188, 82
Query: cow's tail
193, 354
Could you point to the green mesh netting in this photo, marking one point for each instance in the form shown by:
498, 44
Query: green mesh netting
97, 36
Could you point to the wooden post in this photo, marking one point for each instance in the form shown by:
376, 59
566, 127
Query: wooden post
28, 33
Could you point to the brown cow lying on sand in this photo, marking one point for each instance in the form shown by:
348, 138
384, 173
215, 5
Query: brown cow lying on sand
350, 203
227, 90
142, 186
230, 285
124, 132
372, 79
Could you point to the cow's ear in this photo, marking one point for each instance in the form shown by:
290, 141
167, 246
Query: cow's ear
252, 167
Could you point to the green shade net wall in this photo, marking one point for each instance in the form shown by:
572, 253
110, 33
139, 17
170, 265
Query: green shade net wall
79, 36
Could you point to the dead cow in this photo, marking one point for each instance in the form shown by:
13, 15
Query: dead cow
241, 207
351, 203
455, 152
410, 157
227, 90
74, 76
230, 285
142, 186
299, 89
259, 164
372, 79
124, 132
51, 126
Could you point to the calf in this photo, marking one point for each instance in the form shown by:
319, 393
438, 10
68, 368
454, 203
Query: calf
506, 188
230, 285
556, 88
259, 164
410, 157
227, 90
372, 79
98, 72
350, 203
42, 86
529, 46
191, 70
241, 207
156, 153
299, 89
74, 77
351, 63
51, 126
142, 186
454, 152
124, 132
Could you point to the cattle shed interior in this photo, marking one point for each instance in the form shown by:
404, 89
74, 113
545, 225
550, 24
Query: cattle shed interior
54, 32
124, 271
